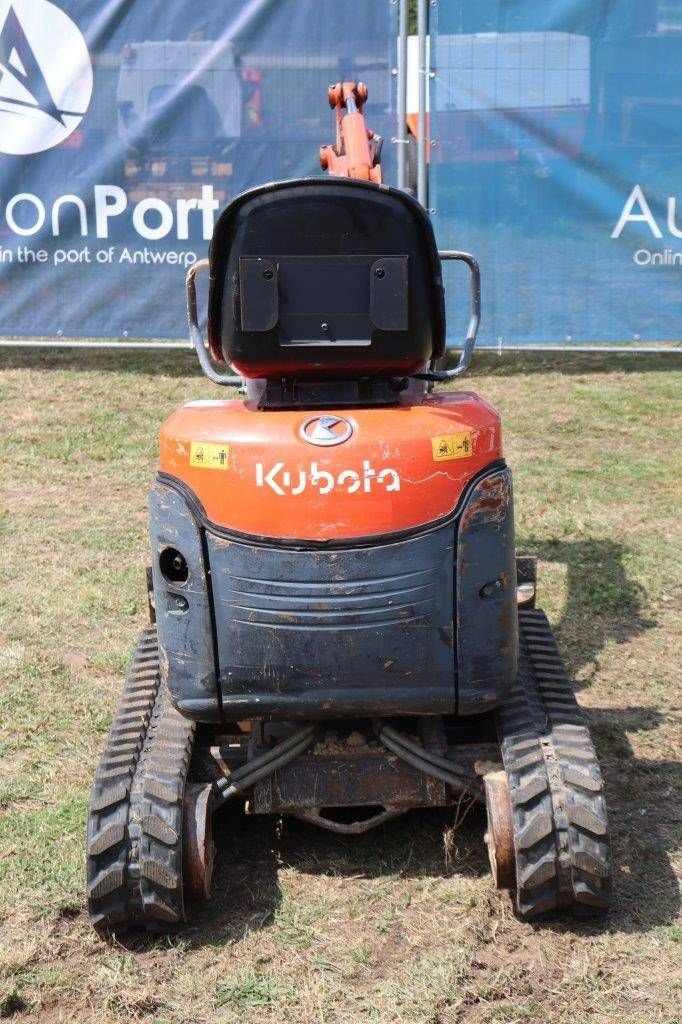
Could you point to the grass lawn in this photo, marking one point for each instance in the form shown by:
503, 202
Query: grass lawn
402, 924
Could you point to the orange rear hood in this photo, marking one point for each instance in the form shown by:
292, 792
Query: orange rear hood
401, 468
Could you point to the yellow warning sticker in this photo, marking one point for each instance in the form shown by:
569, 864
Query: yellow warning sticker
209, 456
452, 446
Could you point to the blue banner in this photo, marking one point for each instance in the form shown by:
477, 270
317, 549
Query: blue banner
125, 126
556, 135
556, 131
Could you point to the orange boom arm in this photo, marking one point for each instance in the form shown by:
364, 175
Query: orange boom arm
357, 150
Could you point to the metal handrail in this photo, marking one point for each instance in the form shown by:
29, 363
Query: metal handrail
226, 380
474, 319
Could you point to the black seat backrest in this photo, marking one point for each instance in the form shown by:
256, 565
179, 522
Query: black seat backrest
323, 278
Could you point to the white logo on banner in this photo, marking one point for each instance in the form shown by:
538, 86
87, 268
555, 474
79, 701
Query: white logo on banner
638, 211
45, 76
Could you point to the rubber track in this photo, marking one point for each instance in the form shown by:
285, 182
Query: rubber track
134, 862
561, 840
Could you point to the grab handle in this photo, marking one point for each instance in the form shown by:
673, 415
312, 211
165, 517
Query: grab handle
195, 331
474, 319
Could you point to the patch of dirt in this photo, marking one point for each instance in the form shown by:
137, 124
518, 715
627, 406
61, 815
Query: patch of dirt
354, 742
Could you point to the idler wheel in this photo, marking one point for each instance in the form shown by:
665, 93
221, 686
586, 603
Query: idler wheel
499, 836
198, 845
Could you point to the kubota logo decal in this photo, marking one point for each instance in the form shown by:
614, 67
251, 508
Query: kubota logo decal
283, 481
45, 76
326, 430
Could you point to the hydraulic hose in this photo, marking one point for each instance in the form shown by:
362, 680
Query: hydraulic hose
427, 755
428, 763
260, 767
282, 753
280, 748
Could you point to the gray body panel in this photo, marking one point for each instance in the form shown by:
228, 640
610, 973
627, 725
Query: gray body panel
487, 631
352, 631
186, 647
423, 624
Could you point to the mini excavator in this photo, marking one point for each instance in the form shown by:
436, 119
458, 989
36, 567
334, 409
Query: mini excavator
341, 630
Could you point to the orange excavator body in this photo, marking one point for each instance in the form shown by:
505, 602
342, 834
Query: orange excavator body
401, 468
